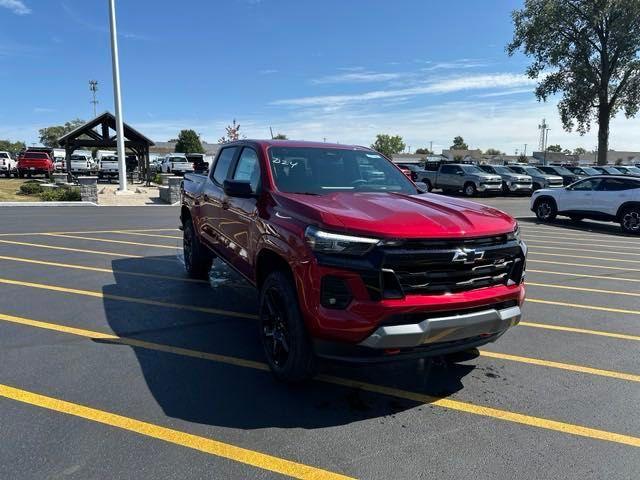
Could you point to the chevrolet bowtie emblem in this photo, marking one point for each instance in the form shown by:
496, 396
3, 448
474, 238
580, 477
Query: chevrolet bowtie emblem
467, 255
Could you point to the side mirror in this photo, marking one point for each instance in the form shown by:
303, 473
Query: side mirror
460, 173
238, 188
422, 187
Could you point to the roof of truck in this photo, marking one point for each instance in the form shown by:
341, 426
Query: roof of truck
299, 144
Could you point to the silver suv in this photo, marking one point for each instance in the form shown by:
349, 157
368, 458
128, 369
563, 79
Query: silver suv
539, 178
511, 182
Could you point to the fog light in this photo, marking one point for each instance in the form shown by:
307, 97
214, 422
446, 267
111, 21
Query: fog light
334, 293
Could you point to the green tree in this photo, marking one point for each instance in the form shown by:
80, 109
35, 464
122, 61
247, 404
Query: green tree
458, 144
49, 135
423, 151
554, 148
522, 158
11, 147
388, 145
579, 151
588, 51
188, 142
280, 136
493, 151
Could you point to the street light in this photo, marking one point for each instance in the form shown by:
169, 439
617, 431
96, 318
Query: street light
122, 167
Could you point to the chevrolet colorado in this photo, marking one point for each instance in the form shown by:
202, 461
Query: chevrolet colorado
352, 260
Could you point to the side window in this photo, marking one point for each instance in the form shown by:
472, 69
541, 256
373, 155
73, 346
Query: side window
248, 168
447, 169
617, 184
587, 185
222, 165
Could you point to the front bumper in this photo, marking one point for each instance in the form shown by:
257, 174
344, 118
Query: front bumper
490, 187
520, 187
450, 328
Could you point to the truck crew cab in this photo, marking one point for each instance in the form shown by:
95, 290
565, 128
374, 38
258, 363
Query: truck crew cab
352, 260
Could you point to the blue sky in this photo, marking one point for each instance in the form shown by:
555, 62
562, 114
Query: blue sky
336, 69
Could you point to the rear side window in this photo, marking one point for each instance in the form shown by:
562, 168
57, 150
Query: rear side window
446, 169
618, 184
222, 165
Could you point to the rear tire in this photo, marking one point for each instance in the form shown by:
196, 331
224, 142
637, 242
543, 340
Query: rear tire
283, 333
546, 209
197, 259
630, 220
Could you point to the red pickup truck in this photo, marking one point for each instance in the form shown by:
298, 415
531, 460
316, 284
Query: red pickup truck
31, 163
353, 261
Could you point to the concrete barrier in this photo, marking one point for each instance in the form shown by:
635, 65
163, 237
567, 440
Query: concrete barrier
88, 189
170, 191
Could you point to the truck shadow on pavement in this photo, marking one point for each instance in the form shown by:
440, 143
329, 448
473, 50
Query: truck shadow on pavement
222, 394
567, 225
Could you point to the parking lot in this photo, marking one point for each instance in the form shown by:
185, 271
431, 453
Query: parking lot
113, 364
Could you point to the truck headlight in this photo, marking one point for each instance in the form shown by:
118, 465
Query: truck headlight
515, 235
327, 242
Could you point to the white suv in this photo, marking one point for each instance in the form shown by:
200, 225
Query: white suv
612, 198
7, 164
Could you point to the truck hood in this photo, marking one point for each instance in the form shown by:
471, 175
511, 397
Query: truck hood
392, 215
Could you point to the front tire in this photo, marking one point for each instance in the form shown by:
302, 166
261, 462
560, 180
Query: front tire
283, 333
630, 220
197, 259
546, 210
470, 189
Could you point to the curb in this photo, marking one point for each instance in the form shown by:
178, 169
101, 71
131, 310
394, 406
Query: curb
48, 204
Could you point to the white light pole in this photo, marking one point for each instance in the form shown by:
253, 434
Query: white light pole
122, 167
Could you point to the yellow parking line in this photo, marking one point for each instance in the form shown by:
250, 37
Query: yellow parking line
106, 240
562, 328
67, 249
585, 243
533, 247
456, 405
89, 231
562, 366
176, 437
587, 258
124, 232
604, 267
143, 301
586, 307
102, 270
583, 289
584, 275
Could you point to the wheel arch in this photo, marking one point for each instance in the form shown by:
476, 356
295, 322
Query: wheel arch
625, 205
268, 261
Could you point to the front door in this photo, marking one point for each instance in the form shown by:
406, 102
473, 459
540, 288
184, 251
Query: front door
580, 196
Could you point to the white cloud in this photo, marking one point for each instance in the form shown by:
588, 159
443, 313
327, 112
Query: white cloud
357, 77
448, 85
16, 6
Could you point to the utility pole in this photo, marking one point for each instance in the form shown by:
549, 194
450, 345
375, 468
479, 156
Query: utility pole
122, 167
271, 131
93, 87
431, 146
545, 134
525, 149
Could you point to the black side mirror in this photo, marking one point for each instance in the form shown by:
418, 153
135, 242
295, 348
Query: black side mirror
422, 187
238, 188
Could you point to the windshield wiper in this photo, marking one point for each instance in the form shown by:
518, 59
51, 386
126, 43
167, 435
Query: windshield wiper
305, 193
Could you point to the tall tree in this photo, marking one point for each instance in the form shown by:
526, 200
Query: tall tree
587, 50
388, 145
458, 144
189, 142
232, 133
579, 151
11, 147
49, 135
493, 151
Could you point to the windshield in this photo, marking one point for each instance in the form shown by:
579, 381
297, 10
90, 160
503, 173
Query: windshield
472, 169
634, 170
109, 159
34, 155
532, 171
590, 171
178, 160
611, 170
562, 171
4, 155
78, 158
502, 170
319, 171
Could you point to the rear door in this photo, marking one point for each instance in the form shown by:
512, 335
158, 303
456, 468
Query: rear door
210, 210
448, 176
613, 192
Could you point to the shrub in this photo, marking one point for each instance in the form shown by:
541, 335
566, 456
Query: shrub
31, 188
61, 195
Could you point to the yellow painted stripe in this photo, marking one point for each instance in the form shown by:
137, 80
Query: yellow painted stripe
584, 289
587, 258
125, 232
107, 240
67, 249
584, 275
143, 301
456, 405
586, 243
102, 270
176, 437
585, 307
89, 231
562, 328
562, 366
622, 251
604, 267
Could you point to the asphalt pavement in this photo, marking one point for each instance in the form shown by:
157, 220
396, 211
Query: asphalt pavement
114, 365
